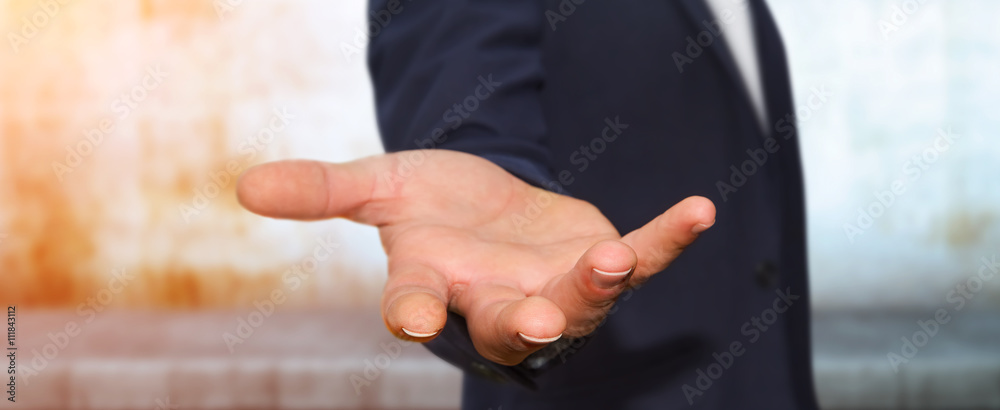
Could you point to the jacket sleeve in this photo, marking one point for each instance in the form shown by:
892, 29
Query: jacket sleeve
465, 75
462, 75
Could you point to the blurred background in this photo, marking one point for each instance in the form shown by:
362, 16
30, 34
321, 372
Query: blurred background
140, 283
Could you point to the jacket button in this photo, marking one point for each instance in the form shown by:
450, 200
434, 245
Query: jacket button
766, 274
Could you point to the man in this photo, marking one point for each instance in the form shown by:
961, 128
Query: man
545, 130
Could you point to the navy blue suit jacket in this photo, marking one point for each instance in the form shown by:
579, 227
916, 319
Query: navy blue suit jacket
633, 106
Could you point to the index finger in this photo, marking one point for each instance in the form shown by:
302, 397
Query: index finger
663, 239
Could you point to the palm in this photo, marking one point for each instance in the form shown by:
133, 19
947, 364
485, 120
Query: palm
511, 234
465, 235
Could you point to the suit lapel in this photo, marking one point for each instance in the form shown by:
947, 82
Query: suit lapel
773, 64
698, 12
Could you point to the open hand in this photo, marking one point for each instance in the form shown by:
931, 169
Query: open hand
457, 236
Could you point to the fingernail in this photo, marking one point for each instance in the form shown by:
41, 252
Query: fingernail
416, 334
608, 280
538, 340
699, 228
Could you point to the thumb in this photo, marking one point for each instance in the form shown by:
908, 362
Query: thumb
661, 240
310, 190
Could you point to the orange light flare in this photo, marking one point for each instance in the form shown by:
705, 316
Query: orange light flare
113, 116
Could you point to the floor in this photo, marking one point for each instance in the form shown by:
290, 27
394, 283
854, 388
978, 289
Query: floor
319, 359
